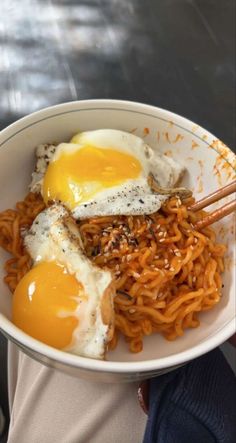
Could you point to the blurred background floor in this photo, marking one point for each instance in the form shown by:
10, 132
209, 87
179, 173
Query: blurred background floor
176, 54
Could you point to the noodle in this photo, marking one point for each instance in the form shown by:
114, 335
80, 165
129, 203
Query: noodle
165, 271
12, 226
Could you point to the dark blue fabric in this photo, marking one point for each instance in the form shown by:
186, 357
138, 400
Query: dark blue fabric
194, 404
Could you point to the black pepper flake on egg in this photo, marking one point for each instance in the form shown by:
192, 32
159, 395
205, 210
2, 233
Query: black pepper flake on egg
141, 201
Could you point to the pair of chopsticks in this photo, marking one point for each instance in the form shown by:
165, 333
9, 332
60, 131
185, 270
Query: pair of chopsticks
218, 214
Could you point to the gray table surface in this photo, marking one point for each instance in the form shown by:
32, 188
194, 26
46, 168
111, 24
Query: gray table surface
176, 54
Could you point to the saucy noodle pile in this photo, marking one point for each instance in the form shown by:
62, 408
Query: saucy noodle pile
165, 271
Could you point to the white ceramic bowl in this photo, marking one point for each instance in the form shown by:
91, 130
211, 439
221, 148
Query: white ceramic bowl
209, 164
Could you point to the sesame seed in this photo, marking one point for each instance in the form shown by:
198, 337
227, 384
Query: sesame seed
129, 257
167, 266
195, 240
158, 226
117, 267
136, 275
161, 240
161, 234
194, 278
166, 261
172, 269
165, 234
132, 311
156, 257
191, 246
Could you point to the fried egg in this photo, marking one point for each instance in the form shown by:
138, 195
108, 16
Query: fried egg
64, 301
104, 172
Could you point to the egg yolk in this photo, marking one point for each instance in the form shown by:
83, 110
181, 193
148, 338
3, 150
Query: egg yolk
44, 302
75, 178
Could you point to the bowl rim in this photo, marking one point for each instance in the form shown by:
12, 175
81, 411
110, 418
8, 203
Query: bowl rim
75, 361
71, 107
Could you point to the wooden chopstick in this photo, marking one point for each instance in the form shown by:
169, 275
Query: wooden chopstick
218, 214
215, 196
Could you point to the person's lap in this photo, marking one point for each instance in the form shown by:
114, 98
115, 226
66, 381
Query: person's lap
49, 406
